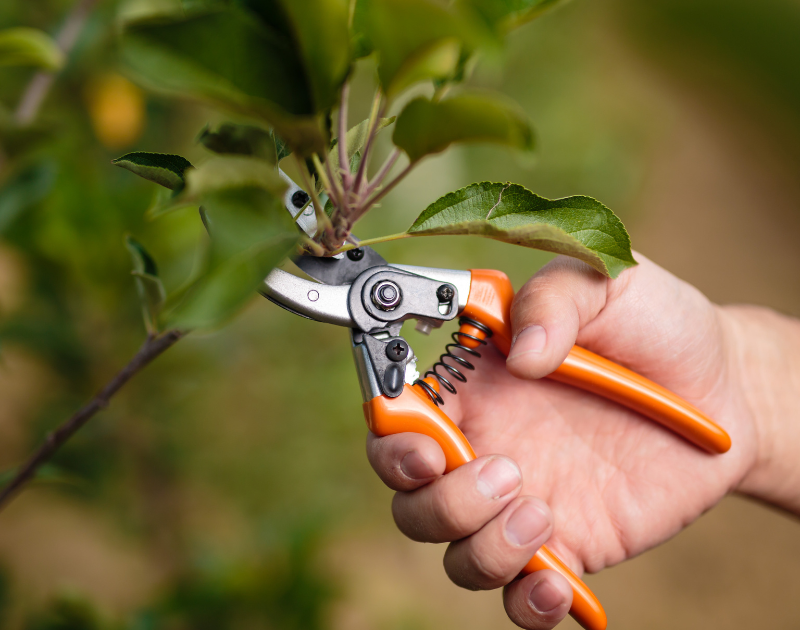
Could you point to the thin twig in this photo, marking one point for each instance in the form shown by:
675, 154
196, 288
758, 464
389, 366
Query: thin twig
373, 241
323, 222
378, 179
374, 116
34, 95
385, 191
151, 348
344, 166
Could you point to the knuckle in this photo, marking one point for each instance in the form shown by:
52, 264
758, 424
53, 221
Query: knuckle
487, 568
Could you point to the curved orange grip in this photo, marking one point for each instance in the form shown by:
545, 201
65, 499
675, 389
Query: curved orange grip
413, 412
489, 302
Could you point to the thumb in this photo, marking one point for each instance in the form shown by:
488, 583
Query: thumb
549, 311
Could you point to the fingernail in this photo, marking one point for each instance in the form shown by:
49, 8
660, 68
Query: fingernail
532, 340
545, 597
499, 477
526, 523
415, 467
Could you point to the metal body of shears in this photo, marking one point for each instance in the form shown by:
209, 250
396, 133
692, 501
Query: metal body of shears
359, 290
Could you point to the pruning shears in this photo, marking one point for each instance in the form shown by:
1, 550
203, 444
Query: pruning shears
360, 291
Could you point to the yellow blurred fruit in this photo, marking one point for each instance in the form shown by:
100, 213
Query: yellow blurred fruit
116, 109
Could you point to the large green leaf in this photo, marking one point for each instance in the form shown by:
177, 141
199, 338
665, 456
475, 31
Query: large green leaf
505, 15
280, 61
229, 172
416, 40
22, 46
322, 37
148, 285
574, 226
251, 232
161, 168
426, 127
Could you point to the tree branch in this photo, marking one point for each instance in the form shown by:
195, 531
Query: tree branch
151, 348
40, 84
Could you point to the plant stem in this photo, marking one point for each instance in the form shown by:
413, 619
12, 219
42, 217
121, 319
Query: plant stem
344, 166
34, 95
323, 222
389, 187
378, 179
374, 115
151, 348
373, 241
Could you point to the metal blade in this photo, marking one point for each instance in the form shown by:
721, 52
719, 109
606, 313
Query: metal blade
337, 270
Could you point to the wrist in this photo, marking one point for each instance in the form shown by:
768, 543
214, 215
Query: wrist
764, 357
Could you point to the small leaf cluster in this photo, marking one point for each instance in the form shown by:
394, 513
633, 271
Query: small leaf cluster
284, 66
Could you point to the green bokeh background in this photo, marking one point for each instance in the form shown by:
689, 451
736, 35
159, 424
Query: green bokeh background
226, 486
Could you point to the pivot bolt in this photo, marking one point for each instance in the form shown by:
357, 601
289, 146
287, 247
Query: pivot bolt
355, 254
386, 295
445, 293
300, 198
397, 350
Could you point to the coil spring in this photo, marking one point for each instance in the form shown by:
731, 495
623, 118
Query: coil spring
453, 371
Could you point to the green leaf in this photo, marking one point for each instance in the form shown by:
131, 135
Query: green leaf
323, 41
251, 232
359, 40
416, 40
282, 149
505, 15
151, 291
270, 61
574, 226
426, 127
223, 172
25, 189
23, 46
227, 172
229, 138
355, 140
161, 168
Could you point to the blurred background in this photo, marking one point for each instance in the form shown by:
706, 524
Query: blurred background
227, 486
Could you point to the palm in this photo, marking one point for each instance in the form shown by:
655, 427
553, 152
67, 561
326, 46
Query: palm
617, 483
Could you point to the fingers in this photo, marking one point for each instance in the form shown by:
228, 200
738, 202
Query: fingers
459, 503
405, 461
548, 313
495, 555
538, 601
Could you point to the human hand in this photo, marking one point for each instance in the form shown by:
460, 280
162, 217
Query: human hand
616, 483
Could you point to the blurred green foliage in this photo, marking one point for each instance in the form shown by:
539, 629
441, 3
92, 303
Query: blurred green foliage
233, 465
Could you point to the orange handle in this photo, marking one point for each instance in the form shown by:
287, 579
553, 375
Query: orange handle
489, 302
413, 412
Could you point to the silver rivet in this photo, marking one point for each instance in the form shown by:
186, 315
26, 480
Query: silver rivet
386, 295
313, 295
309, 211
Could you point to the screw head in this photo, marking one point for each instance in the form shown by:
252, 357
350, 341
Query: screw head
300, 198
355, 254
386, 295
445, 293
397, 349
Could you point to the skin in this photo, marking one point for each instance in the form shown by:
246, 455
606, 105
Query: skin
597, 482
